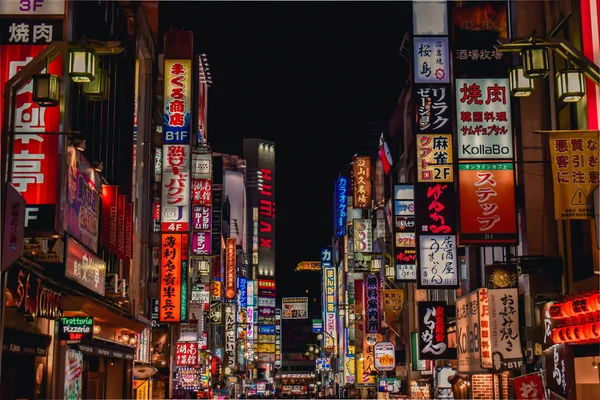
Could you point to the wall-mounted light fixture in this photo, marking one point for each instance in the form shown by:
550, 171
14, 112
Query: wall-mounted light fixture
82, 64
520, 85
46, 90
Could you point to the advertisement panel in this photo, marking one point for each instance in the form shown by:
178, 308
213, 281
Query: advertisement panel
202, 192
186, 354
175, 200
110, 195
392, 302
467, 329
230, 337
173, 261
385, 356
230, 269
178, 79
487, 204
433, 339
432, 63
340, 204
73, 374
35, 159
529, 386
434, 109
504, 328
330, 309
84, 267
363, 236
235, 191
361, 169
294, 307
266, 210
435, 208
404, 224
434, 158
483, 119
202, 217
438, 267
574, 156
372, 301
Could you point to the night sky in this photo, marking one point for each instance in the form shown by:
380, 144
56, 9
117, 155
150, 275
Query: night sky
309, 76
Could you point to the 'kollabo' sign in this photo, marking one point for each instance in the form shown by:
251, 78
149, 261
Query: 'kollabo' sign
76, 328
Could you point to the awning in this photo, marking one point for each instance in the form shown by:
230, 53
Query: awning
105, 314
98, 347
27, 343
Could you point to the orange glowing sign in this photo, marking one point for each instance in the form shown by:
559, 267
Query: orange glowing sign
361, 170
308, 266
170, 276
230, 269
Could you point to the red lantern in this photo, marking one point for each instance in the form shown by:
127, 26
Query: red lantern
570, 333
557, 311
578, 331
594, 301
558, 335
582, 306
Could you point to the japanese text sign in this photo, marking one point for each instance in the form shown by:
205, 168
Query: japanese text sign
433, 339
202, 218
178, 101
230, 268
201, 243
32, 7
84, 267
186, 354
173, 253
175, 204
202, 192
294, 307
432, 64
434, 109
330, 309
437, 261
372, 301
529, 387
483, 119
487, 203
26, 31
485, 335
404, 227
434, 158
35, 159
230, 345
361, 169
575, 168
340, 204
392, 302
504, 326
435, 205
560, 369
385, 356
363, 236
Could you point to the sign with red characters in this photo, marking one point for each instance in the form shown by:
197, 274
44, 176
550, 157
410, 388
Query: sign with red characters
230, 268
175, 201
202, 192
35, 159
433, 339
178, 101
487, 204
186, 354
529, 387
173, 252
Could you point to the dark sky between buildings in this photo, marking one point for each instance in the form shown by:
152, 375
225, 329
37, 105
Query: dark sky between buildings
309, 76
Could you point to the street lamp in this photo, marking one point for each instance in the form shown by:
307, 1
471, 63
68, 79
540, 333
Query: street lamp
570, 85
535, 61
46, 90
520, 85
97, 90
82, 64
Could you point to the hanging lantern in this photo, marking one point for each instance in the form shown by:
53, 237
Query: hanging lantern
557, 311
594, 301
46, 90
570, 85
97, 90
535, 62
582, 306
556, 337
390, 272
82, 65
520, 86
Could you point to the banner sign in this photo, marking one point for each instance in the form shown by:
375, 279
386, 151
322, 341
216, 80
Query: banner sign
404, 223
294, 307
432, 63
230, 269
201, 243
173, 262
84, 267
373, 304
178, 101
35, 157
202, 192
110, 194
186, 354
483, 119
435, 208
361, 169
175, 201
433, 338
434, 158
488, 213
574, 156
82, 209
202, 217
230, 345
330, 309
529, 387
438, 266
504, 327
363, 236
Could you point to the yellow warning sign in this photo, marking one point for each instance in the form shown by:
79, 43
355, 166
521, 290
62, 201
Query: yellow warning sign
575, 165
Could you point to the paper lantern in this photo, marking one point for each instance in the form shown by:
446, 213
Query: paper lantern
579, 333
570, 333
582, 306
557, 311
594, 301
558, 335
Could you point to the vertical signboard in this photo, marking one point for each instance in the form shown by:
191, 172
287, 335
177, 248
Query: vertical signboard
230, 339
330, 309
340, 203
175, 204
109, 217
266, 216
434, 111
433, 339
432, 64
173, 255
373, 303
468, 333
504, 326
487, 203
405, 252
178, 101
363, 236
35, 155
278, 333
361, 170
230, 268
